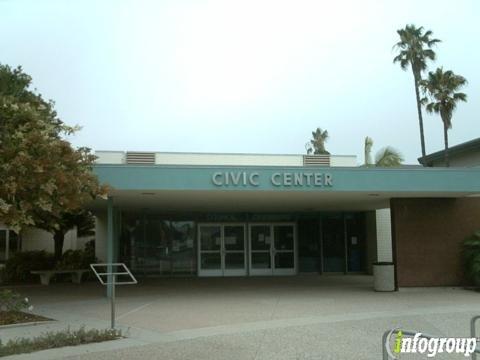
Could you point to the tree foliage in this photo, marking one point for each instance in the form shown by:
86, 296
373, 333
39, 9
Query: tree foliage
414, 50
385, 157
317, 143
441, 89
442, 96
44, 180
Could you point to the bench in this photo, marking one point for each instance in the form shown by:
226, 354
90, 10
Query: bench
46, 275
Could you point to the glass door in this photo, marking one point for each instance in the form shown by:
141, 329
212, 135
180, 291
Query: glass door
210, 250
221, 250
333, 242
284, 249
233, 242
261, 249
272, 249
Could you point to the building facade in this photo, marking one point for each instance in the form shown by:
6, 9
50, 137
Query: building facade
173, 214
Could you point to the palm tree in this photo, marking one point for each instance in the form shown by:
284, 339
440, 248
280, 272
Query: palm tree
415, 50
386, 157
441, 90
317, 144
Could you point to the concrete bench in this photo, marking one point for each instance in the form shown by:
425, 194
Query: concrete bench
46, 275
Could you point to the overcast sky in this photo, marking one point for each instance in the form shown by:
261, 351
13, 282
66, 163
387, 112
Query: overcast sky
240, 76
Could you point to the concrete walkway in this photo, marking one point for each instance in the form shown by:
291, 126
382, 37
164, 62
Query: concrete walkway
304, 317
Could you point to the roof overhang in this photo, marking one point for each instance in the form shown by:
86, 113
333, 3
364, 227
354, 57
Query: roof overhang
225, 188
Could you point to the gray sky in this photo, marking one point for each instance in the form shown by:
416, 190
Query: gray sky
239, 76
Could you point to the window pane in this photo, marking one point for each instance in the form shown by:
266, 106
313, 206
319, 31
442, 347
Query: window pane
235, 261
210, 238
283, 237
234, 238
261, 237
261, 260
211, 261
183, 251
284, 260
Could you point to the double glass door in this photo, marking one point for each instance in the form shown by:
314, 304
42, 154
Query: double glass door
272, 249
221, 250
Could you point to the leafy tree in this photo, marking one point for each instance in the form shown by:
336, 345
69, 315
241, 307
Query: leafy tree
317, 144
442, 96
44, 180
414, 50
385, 157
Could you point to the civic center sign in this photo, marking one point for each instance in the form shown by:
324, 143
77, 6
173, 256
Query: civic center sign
286, 179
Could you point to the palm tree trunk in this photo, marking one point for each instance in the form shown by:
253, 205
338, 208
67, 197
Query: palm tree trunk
445, 137
420, 117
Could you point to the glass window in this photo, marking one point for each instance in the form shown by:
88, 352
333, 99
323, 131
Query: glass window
261, 237
183, 247
234, 238
283, 237
210, 238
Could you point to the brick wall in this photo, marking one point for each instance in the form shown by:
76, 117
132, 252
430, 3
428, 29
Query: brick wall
427, 235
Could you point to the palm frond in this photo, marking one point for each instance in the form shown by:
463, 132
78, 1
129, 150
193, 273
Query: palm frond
388, 157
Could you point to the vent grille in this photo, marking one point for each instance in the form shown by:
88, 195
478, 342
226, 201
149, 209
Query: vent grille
316, 160
143, 158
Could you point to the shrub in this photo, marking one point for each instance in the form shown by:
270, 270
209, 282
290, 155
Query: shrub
12, 301
18, 267
471, 257
50, 340
75, 259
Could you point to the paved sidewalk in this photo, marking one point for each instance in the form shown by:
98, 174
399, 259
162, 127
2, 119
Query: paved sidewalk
304, 317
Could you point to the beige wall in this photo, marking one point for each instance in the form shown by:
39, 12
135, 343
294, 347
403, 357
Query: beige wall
36, 239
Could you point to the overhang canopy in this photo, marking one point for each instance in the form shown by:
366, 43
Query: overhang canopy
251, 188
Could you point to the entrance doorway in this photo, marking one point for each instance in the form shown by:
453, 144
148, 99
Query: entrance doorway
333, 243
221, 250
272, 249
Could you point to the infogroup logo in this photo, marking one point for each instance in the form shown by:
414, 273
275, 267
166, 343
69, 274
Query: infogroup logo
419, 343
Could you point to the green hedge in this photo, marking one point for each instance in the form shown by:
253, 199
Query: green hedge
471, 258
51, 340
19, 266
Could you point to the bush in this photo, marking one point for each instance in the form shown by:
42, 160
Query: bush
58, 339
75, 259
18, 267
12, 301
471, 258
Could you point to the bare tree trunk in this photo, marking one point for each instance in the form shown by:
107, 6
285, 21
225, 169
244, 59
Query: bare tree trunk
420, 117
58, 238
445, 137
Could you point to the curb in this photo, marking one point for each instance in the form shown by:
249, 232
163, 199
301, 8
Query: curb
31, 323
